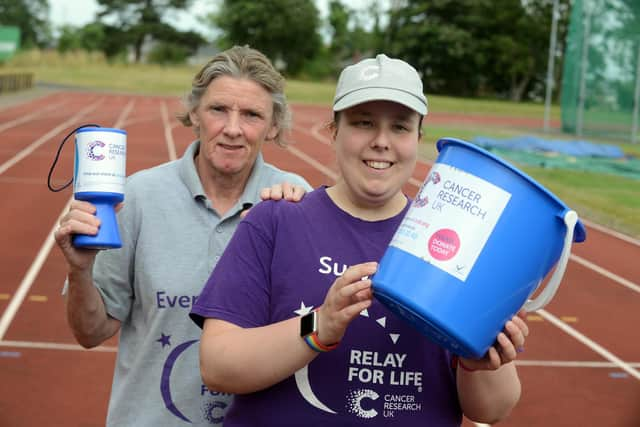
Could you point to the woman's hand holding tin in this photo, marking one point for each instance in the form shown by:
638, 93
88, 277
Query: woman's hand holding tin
348, 296
80, 219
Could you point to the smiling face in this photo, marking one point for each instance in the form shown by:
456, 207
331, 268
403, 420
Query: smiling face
233, 119
376, 149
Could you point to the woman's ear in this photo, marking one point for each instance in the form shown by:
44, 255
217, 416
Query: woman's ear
273, 133
195, 123
333, 128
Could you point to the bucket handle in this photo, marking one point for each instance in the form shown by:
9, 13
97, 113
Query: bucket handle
570, 220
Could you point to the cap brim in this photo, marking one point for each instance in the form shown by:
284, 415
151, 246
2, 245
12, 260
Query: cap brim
380, 94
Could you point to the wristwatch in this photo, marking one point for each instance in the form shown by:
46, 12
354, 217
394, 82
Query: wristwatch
309, 332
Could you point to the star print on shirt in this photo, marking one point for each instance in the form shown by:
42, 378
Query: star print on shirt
382, 321
303, 309
164, 340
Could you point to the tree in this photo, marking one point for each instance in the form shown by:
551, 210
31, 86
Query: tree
91, 37
31, 17
476, 47
140, 19
339, 17
436, 37
515, 36
284, 30
174, 46
354, 32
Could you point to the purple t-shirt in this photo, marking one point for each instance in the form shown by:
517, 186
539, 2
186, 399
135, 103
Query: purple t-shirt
279, 264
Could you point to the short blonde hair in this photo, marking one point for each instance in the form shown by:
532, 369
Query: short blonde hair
241, 62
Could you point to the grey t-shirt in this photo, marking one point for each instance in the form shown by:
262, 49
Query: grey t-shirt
172, 237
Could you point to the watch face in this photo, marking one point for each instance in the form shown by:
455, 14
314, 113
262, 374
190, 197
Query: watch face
308, 324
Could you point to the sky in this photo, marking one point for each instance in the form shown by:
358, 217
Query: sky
78, 13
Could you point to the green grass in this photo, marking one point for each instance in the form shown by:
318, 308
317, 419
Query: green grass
490, 106
609, 200
310, 92
124, 79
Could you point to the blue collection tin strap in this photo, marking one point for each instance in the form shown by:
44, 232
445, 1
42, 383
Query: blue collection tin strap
51, 187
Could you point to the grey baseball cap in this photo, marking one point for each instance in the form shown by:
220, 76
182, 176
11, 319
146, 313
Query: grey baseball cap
380, 79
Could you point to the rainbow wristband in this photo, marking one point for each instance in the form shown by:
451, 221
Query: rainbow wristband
314, 343
465, 368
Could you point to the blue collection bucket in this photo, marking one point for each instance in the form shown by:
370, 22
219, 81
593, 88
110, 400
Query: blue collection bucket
477, 241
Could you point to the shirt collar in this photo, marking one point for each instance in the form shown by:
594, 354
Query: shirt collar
189, 174
188, 171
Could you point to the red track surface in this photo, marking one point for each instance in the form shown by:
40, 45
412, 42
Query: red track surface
584, 374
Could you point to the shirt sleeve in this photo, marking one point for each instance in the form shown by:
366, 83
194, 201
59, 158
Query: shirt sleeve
113, 268
239, 288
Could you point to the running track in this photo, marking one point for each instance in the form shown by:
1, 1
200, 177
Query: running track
582, 361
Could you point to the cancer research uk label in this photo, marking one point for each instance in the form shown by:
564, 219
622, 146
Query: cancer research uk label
451, 219
100, 161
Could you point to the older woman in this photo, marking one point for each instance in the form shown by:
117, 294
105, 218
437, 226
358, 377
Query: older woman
289, 321
177, 219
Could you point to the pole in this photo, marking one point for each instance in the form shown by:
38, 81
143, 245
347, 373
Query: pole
583, 68
636, 101
550, 64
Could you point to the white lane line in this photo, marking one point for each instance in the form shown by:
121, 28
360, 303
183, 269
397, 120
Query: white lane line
43, 253
168, 135
47, 136
315, 132
571, 364
28, 117
56, 346
121, 120
313, 162
609, 275
318, 126
590, 343
329, 172
611, 232
415, 182
27, 181
112, 349
29, 278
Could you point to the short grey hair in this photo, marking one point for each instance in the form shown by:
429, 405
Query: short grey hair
241, 62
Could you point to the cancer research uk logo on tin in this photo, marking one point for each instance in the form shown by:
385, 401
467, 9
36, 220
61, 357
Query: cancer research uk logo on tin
451, 219
422, 199
94, 150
